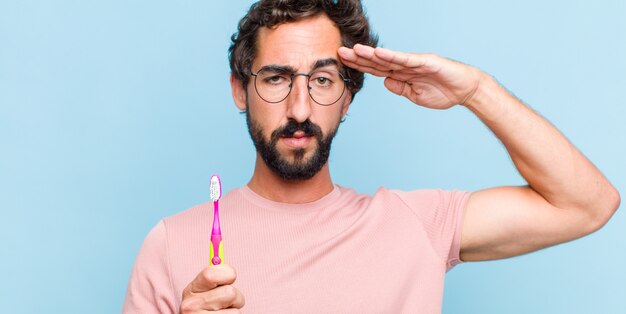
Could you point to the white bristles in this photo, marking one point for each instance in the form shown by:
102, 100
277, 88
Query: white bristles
216, 188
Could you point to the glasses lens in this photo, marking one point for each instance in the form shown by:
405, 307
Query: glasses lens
326, 86
272, 86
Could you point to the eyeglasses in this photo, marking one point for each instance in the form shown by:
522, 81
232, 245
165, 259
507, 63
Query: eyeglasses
326, 86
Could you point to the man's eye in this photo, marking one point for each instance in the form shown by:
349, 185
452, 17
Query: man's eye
322, 81
275, 79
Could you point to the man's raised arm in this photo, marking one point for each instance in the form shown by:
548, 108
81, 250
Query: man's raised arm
567, 197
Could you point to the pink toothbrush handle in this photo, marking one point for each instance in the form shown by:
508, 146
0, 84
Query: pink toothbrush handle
217, 249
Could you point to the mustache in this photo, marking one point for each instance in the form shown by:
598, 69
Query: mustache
307, 127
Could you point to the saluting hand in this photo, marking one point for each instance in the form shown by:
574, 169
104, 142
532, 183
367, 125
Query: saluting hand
426, 79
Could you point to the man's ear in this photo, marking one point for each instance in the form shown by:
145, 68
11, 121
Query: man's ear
346, 105
239, 93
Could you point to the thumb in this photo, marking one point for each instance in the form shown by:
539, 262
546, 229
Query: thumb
395, 86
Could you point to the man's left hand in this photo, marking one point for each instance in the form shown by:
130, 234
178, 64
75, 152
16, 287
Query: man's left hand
426, 79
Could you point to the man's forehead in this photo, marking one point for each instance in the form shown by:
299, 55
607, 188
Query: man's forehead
298, 44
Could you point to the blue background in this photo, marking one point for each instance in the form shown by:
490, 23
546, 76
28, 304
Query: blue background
114, 114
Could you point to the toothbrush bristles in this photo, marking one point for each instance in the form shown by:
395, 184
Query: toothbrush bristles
215, 188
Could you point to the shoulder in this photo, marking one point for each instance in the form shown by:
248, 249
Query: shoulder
188, 215
419, 197
424, 199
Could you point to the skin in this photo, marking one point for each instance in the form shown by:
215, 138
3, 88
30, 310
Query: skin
567, 197
212, 292
299, 46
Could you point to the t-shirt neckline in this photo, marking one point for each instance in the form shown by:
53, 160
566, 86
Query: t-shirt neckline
319, 204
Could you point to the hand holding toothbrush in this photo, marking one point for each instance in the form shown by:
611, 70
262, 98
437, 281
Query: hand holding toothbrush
212, 290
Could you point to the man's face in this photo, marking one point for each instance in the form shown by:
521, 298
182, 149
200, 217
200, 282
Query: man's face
294, 136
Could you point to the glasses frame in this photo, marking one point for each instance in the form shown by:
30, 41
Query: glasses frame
308, 76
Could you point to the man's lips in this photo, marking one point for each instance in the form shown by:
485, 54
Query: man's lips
297, 140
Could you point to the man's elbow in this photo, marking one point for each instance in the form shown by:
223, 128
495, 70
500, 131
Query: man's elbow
604, 209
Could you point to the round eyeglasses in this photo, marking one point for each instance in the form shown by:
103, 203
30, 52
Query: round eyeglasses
326, 86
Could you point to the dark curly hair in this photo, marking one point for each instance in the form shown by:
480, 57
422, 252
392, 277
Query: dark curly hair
348, 16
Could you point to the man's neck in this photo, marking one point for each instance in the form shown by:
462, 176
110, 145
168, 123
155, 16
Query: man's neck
269, 185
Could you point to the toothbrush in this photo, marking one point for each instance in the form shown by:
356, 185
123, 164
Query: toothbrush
216, 233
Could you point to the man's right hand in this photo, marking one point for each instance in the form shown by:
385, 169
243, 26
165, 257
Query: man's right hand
212, 290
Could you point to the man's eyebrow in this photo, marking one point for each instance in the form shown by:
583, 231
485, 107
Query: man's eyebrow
324, 62
277, 68
289, 69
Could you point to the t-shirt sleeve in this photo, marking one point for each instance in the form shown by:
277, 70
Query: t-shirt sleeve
150, 287
441, 213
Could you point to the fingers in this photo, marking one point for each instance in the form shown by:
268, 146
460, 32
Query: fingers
384, 62
352, 60
395, 86
212, 277
372, 56
222, 297
227, 311
364, 59
212, 290
402, 59
415, 92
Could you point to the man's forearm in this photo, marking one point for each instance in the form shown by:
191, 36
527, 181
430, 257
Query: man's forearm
551, 165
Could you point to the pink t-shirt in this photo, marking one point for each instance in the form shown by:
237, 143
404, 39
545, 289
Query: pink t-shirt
344, 253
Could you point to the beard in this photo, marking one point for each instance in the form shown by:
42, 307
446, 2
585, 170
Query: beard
300, 168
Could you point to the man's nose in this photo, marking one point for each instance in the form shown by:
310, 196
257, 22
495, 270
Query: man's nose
299, 101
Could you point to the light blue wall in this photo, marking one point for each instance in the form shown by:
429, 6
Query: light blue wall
114, 114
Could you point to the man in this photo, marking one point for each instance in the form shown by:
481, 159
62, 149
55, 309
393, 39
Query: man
300, 243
